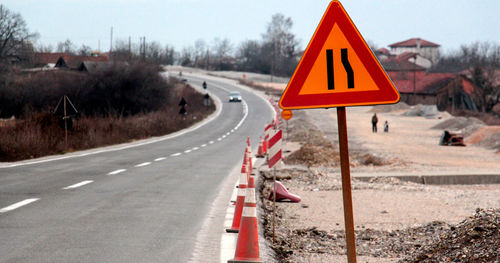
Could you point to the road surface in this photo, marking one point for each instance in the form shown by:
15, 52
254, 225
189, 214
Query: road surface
126, 204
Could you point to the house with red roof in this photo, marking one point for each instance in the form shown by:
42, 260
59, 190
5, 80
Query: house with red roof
63, 60
420, 46
74, 62
43, 59
407, 64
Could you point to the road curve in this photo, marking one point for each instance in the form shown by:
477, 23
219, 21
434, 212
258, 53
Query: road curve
133, 204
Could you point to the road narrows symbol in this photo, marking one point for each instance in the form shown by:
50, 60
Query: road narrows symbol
329, 69
345, 63
348, 68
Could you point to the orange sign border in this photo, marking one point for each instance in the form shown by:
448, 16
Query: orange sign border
386, 94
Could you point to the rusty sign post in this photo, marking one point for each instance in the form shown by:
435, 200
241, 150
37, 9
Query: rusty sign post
346, 184
338, 70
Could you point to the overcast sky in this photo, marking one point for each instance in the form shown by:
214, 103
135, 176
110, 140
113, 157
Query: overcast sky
180, 23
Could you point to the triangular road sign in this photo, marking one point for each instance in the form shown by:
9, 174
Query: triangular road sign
338, 69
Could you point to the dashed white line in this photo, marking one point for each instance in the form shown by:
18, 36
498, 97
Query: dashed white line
203, 145
211, 142
232, 130
228, 133
187, 151
18, 204
78, 184
143, 164
175, 154
117, 171
195, 148
160, 159
224, 136
219, 139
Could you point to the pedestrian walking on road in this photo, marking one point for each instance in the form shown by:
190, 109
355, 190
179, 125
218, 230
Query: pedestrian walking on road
386, 126
374, 122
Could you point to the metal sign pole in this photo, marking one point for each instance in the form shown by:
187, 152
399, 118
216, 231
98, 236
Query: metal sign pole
274, 204
65, 117
346, 185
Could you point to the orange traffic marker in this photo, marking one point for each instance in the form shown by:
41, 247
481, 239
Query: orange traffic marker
240, 201
260, 151
282, 193
247, 246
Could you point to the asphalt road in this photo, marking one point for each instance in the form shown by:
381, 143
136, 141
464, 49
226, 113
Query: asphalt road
138, 204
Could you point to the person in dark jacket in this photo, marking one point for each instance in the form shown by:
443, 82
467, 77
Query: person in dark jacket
374, 122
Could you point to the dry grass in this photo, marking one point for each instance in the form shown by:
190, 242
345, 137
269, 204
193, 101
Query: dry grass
42, 134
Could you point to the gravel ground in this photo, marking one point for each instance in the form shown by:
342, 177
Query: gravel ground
394, 220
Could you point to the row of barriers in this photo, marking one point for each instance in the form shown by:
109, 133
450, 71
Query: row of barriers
245, 214
245, 222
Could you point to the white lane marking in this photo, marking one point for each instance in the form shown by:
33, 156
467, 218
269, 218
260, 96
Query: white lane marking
219, 139
143, 164
211, 142
187, 151
18, 204
232, 130
78, 184
117, 171
203, 145
175, 154
195, 148
228, 133
224, 136
160, 159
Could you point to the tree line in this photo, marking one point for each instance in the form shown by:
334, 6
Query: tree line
276, 53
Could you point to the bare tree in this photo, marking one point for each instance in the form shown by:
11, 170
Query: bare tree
200, 53
186, 57
15, 39
169, 55
154, 52
280, 42
66, 47
122, 51
85, 50
484, 67
222, 53
248, 56
44, 48
480, 63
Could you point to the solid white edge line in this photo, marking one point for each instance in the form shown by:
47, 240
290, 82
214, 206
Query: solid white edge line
160, 159
117, 171
18, 204
78, 184
142, 164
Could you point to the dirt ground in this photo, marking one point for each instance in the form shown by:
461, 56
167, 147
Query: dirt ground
393, 219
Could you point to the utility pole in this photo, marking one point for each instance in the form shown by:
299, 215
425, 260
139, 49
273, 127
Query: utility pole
144, 50
129, 48
111, 44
